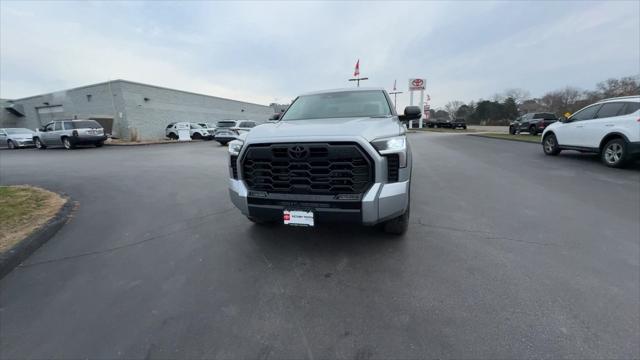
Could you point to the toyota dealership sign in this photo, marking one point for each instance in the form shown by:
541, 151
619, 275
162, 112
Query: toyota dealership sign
417, 84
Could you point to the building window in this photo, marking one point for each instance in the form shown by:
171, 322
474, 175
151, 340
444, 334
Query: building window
88, 97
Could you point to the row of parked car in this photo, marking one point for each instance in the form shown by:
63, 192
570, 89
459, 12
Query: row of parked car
71, 133
67, 133
223, 131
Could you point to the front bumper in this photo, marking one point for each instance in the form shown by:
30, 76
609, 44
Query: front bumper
88, 139
226, 138
381, 202
24, 143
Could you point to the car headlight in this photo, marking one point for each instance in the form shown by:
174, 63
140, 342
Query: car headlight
235, 146
393, 145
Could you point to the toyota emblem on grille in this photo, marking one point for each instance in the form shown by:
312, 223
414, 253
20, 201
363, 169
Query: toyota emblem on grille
298, 152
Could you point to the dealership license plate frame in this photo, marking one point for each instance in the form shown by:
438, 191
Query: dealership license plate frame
298, 218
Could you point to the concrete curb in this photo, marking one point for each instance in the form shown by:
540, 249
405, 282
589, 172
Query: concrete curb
506, 139
156, 143
22, 250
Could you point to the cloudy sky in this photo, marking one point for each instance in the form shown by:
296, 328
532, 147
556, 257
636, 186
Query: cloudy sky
271, 51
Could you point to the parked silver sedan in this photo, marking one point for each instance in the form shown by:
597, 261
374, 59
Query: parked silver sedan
15, 138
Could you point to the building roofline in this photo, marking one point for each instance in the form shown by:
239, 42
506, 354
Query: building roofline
141, 84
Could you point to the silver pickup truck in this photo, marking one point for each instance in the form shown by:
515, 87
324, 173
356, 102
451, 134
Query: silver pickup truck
69, 133
333, 156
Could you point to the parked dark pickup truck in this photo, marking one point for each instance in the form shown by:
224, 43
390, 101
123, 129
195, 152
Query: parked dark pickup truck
533, 123
459, 123
447, 124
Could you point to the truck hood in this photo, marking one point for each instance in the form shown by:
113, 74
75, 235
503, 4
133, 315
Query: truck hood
365, 127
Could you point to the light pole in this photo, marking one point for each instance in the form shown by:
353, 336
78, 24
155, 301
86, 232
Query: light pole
395, 96
358, 79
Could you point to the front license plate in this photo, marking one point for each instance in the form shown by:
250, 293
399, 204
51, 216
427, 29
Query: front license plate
298, 218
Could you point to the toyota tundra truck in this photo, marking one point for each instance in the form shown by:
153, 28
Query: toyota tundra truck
333, 156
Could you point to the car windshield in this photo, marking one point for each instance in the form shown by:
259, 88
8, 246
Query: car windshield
226, 124
339, 105
84, 124
18, 131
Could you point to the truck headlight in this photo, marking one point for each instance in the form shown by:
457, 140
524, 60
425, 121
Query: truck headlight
393, 145
235, 146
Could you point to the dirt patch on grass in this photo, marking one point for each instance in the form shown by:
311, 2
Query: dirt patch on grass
24, 209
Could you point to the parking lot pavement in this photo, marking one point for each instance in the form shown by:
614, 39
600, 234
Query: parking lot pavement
510, 254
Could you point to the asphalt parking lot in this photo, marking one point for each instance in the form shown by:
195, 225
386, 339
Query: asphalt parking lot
510, 254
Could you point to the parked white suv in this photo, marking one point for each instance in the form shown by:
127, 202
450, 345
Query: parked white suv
609, 127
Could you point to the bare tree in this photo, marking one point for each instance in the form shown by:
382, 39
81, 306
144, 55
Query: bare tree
497, 97
452, 106
619, 87
561, 101
519, 95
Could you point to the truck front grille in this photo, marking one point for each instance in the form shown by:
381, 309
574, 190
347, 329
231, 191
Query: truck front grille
307, 168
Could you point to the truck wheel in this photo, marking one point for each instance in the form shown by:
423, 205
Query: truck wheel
399, 225
68, 144
550, 145
39, 144
533, 130
223, 143
196, 136
11, 145
172, 136
99, 144
512, 130
614, 154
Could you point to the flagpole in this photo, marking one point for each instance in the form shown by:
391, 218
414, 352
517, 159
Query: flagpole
356, 75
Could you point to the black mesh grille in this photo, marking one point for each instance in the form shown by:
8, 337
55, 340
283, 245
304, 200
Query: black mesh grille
393, 167
307, 168
234, 166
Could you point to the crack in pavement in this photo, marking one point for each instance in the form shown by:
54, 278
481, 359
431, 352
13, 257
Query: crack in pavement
127, 245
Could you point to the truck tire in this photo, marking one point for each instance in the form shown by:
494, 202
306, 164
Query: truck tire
512, 130
68, 144
99, 144
533, 130
550, 145
399, 225
614, 154
39, 144
11, 145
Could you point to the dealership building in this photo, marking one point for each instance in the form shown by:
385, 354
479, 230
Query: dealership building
127, 110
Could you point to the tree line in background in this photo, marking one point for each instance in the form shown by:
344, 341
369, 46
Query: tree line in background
511, 103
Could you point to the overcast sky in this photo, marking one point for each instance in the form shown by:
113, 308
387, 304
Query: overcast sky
269, 51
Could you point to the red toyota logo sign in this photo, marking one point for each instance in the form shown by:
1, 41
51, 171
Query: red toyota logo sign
416, 84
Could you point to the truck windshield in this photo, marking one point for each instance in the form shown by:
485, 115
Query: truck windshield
339, 105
